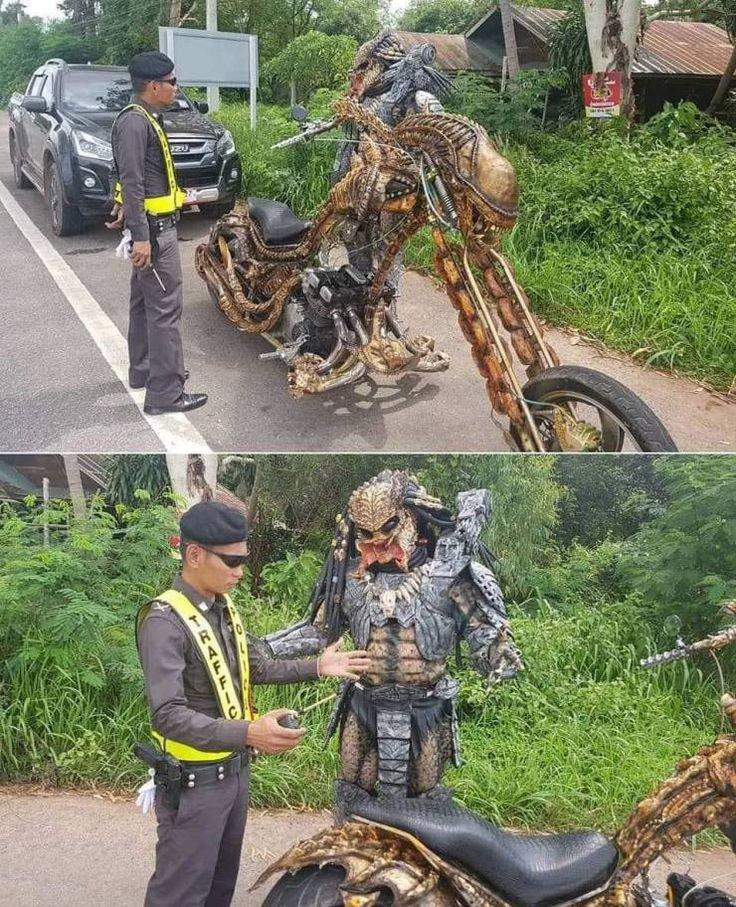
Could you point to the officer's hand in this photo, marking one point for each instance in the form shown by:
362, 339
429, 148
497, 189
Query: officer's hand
117, 218
333, 663
266, 735
141, 254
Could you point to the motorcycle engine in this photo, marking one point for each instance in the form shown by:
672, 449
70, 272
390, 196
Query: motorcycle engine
328, 306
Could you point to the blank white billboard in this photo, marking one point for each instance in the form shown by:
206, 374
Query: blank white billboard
208, 58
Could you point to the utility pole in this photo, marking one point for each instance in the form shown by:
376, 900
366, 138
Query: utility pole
509, 37
213, 91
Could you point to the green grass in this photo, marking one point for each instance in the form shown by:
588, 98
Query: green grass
630, 242
578, 739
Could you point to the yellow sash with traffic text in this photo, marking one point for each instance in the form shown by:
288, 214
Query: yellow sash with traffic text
175, 197
231, 705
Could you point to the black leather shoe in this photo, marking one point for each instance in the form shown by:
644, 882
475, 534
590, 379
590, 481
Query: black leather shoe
182, 405
137, 387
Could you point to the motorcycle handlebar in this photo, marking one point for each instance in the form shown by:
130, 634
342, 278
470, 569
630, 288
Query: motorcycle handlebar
307, 133
709, 644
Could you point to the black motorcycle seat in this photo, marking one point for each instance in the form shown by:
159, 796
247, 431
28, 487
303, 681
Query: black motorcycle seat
278, 224
525, 870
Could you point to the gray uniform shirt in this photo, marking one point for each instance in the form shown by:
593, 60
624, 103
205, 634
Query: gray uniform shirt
140, 166
182, 702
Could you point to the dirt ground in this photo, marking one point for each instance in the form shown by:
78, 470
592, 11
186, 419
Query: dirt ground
71, 849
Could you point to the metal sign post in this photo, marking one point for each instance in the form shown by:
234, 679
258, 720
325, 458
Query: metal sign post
213, 91
252, 91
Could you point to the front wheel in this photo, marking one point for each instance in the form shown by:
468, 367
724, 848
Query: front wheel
579, 409
314, 885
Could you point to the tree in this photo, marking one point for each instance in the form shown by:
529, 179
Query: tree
569, 51
13, 14
509, 37
685, 559
612, 500
74, 481
612, 27
130, 473
351, 18
82, 15
21, 51
724, 12
193, 477
312, 61
441, 16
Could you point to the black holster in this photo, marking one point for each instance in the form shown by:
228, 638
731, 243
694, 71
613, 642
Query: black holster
167, 773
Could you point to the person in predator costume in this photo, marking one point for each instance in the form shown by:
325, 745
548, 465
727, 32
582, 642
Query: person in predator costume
391, 83
403, 580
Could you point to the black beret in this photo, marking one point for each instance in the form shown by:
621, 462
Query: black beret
212, 523
151, 64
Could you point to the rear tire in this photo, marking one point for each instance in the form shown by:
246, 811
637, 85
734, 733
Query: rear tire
573, 382
66, 220
314, 886
19, 178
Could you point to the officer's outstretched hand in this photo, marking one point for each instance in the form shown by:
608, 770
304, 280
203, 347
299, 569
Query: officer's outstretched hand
266, 735
334, 663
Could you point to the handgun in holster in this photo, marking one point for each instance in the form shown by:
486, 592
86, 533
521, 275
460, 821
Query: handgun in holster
167, 773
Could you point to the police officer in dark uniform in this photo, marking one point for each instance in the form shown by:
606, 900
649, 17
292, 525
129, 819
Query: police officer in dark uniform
199, 666
148, 202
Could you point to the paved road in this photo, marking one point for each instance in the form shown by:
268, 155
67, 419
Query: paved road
59, 392
81, 850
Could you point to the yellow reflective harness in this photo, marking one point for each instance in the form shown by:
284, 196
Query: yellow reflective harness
217, 667
160, 205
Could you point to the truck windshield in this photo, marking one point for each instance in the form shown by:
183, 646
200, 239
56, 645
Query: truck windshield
89, 91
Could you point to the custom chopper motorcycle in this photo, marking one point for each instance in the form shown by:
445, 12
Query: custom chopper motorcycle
434, 853
412, 165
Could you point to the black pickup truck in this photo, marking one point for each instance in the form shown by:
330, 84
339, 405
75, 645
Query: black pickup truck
60, 143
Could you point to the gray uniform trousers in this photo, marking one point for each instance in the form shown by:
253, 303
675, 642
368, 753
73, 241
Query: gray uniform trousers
154, 342
199, 845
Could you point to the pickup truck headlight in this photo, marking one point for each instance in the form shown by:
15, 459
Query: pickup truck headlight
226, 143
89, 146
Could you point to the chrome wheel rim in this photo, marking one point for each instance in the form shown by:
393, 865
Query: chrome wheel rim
614, 434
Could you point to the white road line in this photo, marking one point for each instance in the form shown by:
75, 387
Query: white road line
174, 430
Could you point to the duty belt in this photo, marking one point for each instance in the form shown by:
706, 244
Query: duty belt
194, 774
395, 692
162, 222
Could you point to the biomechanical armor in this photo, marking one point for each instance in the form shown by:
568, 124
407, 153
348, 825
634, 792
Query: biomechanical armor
403, 579
391, 83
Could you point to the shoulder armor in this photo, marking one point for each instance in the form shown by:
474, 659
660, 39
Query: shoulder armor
426, 102
450, 557
491, 597
473, 512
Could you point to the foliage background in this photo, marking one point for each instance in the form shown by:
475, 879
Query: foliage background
593, 554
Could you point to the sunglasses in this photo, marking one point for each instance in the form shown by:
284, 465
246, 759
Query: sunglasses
229, 560
171, 81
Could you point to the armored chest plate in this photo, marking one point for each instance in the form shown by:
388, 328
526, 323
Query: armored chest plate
419, 600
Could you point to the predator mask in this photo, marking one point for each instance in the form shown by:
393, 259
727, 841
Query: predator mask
371, 61
385, 529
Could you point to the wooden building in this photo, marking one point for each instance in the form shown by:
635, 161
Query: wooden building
675, 60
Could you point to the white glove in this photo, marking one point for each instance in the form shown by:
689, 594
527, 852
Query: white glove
125, 246
146, 792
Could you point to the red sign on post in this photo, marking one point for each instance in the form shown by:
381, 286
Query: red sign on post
602, 94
